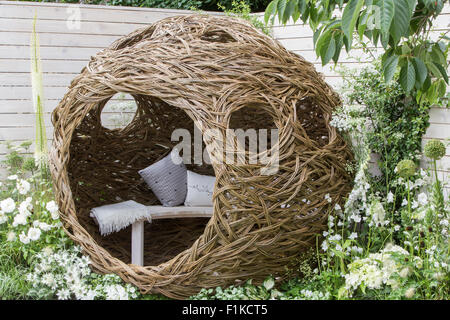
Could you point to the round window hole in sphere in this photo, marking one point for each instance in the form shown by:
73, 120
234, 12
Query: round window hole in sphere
119, 111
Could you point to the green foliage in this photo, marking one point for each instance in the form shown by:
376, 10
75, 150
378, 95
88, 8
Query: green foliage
397, 121
402, 28
13, 285
241, 9
212, 5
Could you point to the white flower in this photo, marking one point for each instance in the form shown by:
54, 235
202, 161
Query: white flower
11, 236
89, 295
52, 207
324, 246
49, 280
356, 218
23, 186
422, 198
116, 292
328, 198
44, 226
336, 237
390, 197
23, 238
13, 177
63, 294
34, 234
7, 205
47, 251
396, 227
337, 207
19, 219
414, 204
24, 208
404, 202
353, 236
404, 273
410, 293
377, 212
3, 217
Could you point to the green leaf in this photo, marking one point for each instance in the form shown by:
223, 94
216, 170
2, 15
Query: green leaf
441, 88
421, 70
442, 71
362, 24
328, 49
317, 34
400, 23
349, 18
323, 41
407, 76
434, 70
375, 37
281, 6
426, 84
437, 55
296, 14
339, 44
289, 10
302, 6
268, 283
387, 9
389, 67
270, 10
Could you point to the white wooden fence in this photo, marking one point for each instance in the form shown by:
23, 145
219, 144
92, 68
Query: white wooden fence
66, 47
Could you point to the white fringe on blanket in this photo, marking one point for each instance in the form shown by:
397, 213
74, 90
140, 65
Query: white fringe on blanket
115, 217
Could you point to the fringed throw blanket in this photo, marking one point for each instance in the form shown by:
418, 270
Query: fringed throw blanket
114, 217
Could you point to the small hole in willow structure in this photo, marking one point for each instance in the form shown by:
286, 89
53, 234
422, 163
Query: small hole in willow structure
119, 111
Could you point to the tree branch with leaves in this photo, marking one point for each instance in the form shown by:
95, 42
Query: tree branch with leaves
401, 27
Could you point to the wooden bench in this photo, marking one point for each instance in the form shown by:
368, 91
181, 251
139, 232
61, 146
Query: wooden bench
160, 212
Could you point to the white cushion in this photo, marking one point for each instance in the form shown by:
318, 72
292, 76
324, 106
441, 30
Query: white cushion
200, 190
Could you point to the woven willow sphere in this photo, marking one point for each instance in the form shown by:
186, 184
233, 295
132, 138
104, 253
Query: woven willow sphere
219, 73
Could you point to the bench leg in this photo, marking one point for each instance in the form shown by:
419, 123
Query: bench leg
137, 243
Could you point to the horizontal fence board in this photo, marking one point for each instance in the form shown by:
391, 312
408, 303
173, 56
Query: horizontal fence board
440, 115
47, 53
26, 105
9, 93
113, 14
438, 130
21, 133
29, 119
59, 40
63, 26
23, 79
54, 66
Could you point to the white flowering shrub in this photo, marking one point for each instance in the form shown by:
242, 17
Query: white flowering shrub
29, 217
31, 232
376, 270
266, 291
65, 274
